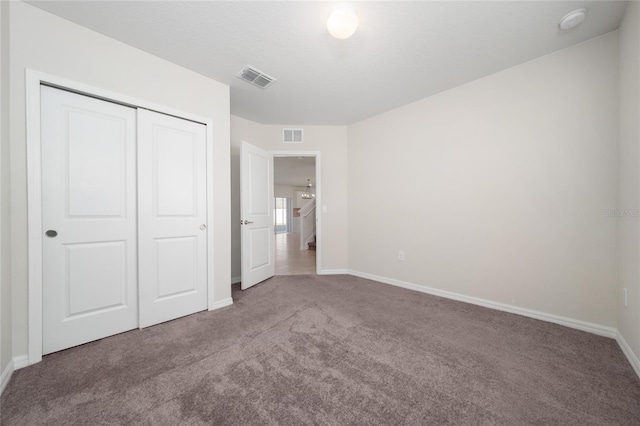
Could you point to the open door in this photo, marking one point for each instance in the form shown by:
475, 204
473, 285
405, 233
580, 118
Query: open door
256, 207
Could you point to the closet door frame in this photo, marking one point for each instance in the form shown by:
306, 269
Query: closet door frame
34, 79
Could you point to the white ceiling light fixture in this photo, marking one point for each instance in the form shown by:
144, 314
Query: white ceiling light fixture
307, 194
343, 21
573, 19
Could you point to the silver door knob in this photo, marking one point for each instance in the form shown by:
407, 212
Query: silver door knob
246, 222
203, 226
51, 233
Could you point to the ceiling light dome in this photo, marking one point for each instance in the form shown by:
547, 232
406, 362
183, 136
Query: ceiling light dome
343, 21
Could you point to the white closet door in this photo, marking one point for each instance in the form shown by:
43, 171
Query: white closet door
172, 218
89, 219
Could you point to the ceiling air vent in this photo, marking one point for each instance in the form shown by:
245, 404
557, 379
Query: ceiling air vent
255, 77
292, 135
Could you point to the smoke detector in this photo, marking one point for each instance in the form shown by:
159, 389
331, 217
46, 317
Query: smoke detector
573, 19
256, 77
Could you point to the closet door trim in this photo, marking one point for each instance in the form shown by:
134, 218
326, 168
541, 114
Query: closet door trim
34, 79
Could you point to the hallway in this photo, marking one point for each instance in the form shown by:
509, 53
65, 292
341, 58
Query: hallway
290, 260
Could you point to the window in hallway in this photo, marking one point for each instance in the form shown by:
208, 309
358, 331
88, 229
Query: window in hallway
282, 214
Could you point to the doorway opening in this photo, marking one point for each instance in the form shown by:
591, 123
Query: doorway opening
295, 214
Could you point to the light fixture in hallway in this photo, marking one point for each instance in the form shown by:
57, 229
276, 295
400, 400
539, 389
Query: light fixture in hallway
308, 195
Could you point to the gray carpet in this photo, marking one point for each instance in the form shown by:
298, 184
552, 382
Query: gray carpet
334, 350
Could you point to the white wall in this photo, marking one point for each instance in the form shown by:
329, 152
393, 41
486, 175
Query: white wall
497, 189
286, 191
5, 222
331, 141
629, 178
49, 44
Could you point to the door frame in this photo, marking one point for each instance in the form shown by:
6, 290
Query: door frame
319, 206
33, 81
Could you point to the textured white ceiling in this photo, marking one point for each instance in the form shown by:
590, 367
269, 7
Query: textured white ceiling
402, 51
294, 171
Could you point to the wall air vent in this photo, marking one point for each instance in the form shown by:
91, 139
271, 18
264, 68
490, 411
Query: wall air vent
292, 135
255, 77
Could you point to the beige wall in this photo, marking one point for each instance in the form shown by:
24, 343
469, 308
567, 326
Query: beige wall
49, 44
629, 178
331, 141
497, 189
5, 222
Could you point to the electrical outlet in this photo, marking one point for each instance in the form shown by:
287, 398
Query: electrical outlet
400, 255
625, 297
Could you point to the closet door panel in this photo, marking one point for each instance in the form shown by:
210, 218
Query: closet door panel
172, 217
89, 219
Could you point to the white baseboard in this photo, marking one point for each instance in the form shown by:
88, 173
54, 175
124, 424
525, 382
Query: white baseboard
20, 361
626, 350
221, 304
598, 329
6, 376
333, 272
236, 280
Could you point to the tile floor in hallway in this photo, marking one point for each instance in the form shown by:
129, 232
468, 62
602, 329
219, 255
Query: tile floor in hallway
290, 260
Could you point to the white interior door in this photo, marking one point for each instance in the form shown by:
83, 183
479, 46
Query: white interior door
89, 219
256, 187
172, 209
